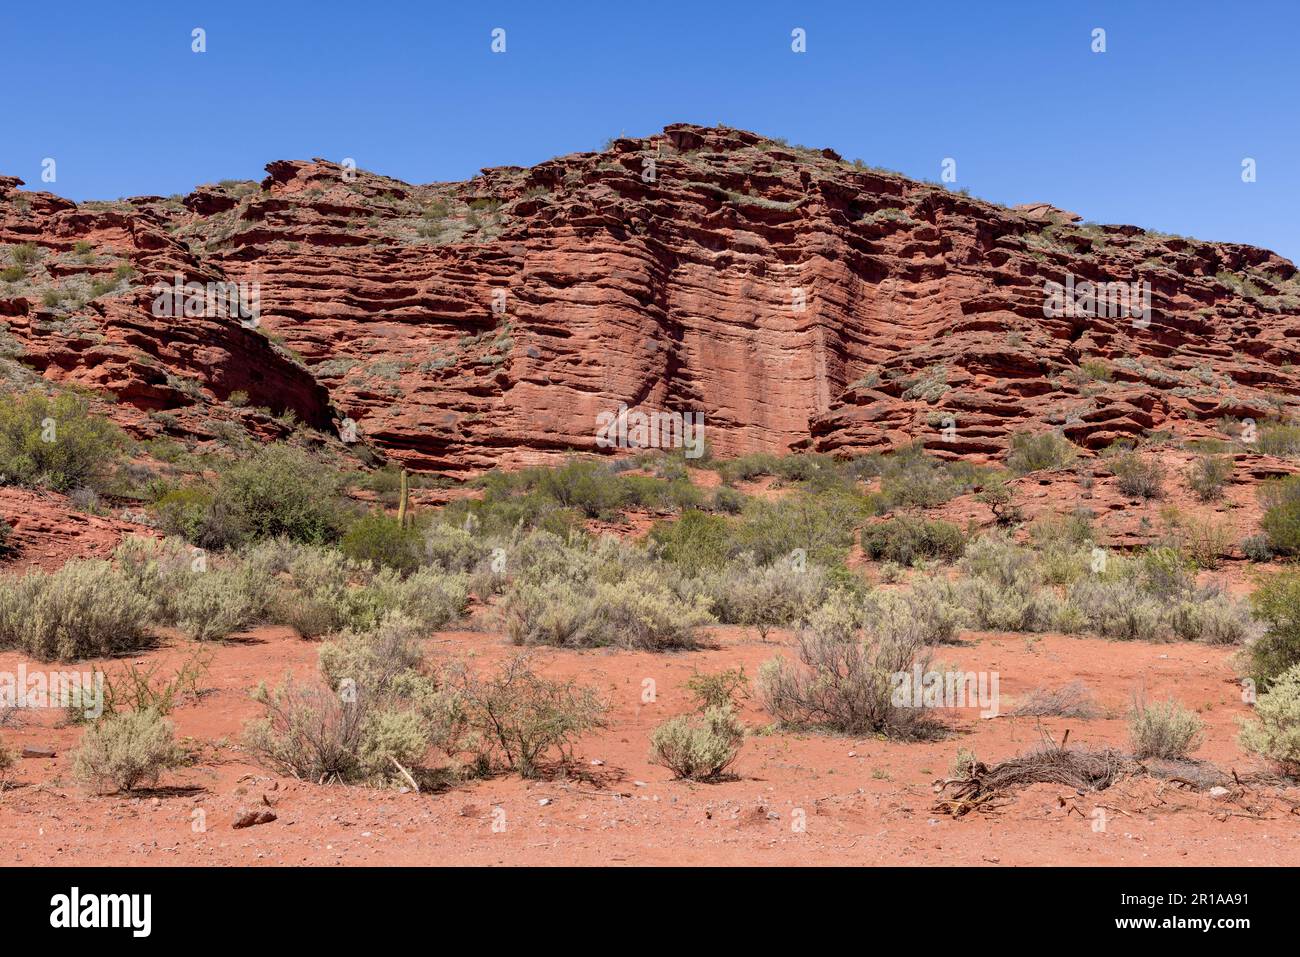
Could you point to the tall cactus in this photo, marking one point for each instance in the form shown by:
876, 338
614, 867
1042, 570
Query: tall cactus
401, 505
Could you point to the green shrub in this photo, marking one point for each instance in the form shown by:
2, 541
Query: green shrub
1119, 609
1164, 730
698, 747
521, 717
1281, 521
1216, 621
126, 750
1256, 548
695, 541
1206, 542
85, 609
453, 549
281, 490
821, 526
1031, 452
1277, 438
766, 597
721, 689
56, 444
1276, 604
1137, 475
728, 500
906, 539
1208, 475
1276, 733
383, 541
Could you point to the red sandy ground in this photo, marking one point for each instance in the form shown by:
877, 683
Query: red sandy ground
865, 801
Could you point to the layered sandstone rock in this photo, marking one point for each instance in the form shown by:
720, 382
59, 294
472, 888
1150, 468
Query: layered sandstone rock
795, 299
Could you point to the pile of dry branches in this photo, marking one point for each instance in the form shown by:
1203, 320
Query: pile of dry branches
1078, 768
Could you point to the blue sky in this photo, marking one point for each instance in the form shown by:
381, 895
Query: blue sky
1151, 132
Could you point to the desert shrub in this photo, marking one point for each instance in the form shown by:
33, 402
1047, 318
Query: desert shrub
1030, 452
55, 443
590, 487
1118, 609
521, 717
1162, 571
384, 541
1017, 605
1206, 542
1275, 604
377, 661
318, 734
746, 468
1208, 475
141, 687
375, 717
157, 569
843, 677
217, 603
1000, 501
1276, 732
1164, 730
323, 593
639, 611
430, 597
6, 534
698, 747
7, 759
281, 490
1003, 589
821, 526
126, 750
85, 609
1137, 475
453, 549
766, 597
1216, 620
906, 539
933, 605
1278, 438
193, 514
1256, 548
1281, 520
1058, 530
728, 500
721, 689
695, 541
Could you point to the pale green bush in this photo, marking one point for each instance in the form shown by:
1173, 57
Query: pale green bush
765, 597
1276, 733
698, 747
85, 609
1119, 609
843, 679
1164, 730
126, 750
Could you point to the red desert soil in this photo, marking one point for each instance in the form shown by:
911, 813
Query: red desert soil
865, 801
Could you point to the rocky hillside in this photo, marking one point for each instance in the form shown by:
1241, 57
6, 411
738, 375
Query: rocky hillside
796, 299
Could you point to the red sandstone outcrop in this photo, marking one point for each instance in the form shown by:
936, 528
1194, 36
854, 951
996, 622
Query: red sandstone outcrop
795, 299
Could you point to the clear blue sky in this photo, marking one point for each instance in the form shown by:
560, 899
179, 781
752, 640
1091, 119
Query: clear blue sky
1151, 132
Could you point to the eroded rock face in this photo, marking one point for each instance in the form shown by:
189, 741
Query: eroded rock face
796, 300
